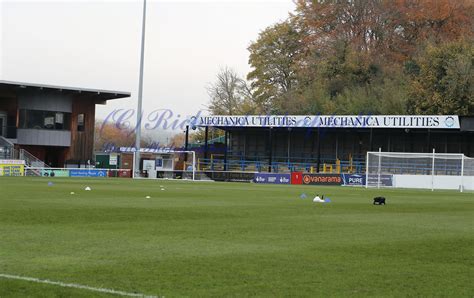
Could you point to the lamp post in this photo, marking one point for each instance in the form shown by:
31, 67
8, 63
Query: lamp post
138, 130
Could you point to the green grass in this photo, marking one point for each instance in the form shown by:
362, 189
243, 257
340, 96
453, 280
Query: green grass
232, 239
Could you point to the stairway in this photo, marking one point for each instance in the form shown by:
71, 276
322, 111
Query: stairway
33, 165
31, 161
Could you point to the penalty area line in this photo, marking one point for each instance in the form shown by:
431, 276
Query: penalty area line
75, 286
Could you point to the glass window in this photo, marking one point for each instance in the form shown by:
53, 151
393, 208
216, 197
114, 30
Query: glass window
59, 120
80, 122
45, 120
1, 127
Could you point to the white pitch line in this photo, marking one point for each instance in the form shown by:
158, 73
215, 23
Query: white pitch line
75, 286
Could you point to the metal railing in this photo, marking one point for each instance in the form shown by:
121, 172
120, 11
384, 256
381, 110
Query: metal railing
7, 150
310, 166
31, 160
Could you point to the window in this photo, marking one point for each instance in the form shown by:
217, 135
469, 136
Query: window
3, 124
80, 122
1, 127
34, 119
59, 120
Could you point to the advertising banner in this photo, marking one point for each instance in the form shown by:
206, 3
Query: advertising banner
385, 179
11, 162
121, 173
297, 178
353, 180
159, 163
54, 173
87, 173
270, 178
330, 121
322, 179
113, 159
12, 170
231, 176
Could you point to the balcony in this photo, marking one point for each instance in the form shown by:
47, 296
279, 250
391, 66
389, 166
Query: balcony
32, 136
43, 137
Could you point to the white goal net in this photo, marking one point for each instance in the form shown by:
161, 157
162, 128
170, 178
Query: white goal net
420, 170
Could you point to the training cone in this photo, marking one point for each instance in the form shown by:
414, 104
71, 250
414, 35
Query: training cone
72, 193
303, 196
50, 183
87, 188
147, 197
327, 200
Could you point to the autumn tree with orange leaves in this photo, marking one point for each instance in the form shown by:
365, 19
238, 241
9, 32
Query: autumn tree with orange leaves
111, 136
364, 56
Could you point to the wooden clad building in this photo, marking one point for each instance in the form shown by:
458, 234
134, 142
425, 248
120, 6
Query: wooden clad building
54, 123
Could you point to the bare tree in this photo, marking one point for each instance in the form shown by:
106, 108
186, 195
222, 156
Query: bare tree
227, 93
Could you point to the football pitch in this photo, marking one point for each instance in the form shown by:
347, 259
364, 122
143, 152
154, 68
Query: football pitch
230, 239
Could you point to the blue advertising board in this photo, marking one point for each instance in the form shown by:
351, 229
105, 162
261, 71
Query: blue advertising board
270, 178
87, 173
353, 180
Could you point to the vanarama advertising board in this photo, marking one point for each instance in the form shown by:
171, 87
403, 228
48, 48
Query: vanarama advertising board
322, 179
11, 167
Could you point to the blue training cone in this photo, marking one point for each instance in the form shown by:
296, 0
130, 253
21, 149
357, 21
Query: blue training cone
327, 200
303, 196
50, 183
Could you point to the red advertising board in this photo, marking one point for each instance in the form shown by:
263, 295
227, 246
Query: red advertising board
322, 179
296, 178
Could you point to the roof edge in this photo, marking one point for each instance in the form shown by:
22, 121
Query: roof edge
115, 93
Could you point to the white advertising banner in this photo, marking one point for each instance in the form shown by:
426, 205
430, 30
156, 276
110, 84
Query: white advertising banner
113, 159
362, 121
11, 162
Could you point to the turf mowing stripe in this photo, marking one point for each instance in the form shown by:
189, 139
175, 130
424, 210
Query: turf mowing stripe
76, 286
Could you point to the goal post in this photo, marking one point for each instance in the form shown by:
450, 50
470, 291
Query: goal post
419, 170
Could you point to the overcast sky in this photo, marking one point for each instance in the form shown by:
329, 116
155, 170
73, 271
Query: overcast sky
96, 44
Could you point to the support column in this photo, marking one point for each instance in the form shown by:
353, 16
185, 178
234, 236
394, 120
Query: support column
226, 136
186, 143
371, 141
311, 153
428, 140
245, 145
186, 140
289, 145
206, 147
446, 144
270, 143
467, 140
319, 151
